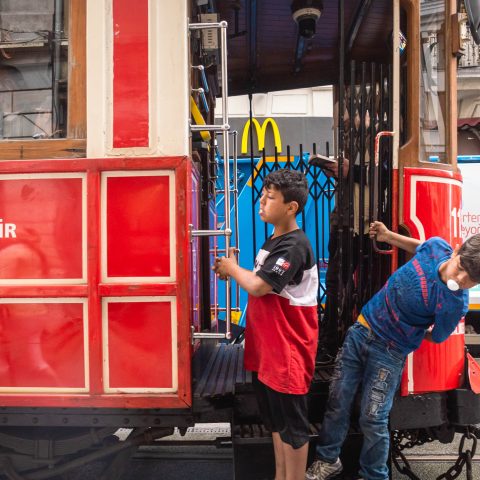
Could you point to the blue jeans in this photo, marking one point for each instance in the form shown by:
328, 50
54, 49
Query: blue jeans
367, 360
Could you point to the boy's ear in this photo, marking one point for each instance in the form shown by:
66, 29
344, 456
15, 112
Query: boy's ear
293, 206
455, 250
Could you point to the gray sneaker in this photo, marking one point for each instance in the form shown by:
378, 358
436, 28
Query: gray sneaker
320, 470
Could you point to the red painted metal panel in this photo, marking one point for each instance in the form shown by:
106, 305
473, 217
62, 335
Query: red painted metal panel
40, 228
432, 202
120, 400
155, 289
95, 290
473, 374
47, 291
42, 345
94, 300
138, 226
439, 367
130, 74
140, 344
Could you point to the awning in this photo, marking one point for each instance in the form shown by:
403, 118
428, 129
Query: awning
465, 123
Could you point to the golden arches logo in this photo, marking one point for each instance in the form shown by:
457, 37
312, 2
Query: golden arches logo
261, 131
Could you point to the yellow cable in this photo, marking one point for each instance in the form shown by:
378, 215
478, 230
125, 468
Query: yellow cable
199, 120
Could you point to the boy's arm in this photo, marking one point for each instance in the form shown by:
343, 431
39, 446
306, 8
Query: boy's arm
381, 233
249, 281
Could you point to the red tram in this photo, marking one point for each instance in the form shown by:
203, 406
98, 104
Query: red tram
106, 181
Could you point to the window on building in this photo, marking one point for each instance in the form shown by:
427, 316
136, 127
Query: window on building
42, 79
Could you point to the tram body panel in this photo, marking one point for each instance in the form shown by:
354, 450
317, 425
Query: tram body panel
432, 205
103, 242
95, 304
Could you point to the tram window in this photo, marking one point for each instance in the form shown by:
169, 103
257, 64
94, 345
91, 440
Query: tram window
42, 78
433, 82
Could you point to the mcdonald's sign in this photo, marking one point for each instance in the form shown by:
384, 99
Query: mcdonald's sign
261, 131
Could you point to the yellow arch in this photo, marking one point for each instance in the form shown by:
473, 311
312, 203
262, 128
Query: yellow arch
283, 158
261, 132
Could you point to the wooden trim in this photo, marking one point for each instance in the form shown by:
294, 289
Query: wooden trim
92, 164
44, 149
77, 90
74, 146
408, 155
183, 189
451, 38
410, 151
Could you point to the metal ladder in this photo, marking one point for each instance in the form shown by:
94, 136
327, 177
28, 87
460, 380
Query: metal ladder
226, 232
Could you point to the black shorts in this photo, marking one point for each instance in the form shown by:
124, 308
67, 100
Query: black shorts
284, 413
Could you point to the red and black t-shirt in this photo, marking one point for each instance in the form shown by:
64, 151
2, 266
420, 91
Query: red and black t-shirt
282, 327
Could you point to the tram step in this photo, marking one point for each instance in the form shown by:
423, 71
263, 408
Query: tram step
222, 373
247, 433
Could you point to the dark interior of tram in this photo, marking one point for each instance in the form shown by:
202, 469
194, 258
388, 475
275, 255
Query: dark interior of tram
270, 48
267, 51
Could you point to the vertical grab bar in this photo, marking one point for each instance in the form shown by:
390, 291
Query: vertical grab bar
224, 128
226, 177
235, 209
201, 69
376, 186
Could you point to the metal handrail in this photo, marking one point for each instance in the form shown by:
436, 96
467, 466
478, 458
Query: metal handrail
376, 187
224, 128
235, 209
201, 69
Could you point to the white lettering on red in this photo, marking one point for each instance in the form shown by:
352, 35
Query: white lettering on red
7, 230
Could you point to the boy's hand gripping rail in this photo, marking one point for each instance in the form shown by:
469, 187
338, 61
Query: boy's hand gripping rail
376, 186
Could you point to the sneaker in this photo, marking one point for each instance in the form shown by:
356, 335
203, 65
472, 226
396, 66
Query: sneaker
320, 470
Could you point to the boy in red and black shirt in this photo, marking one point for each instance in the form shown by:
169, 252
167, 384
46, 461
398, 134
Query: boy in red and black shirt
282, 324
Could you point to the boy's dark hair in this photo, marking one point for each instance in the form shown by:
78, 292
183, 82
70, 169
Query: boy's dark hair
469, 254
292, 184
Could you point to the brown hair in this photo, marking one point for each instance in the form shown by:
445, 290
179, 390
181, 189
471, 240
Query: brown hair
469, 254
291, 183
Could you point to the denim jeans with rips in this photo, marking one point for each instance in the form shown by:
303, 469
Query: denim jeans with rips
367, 360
